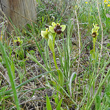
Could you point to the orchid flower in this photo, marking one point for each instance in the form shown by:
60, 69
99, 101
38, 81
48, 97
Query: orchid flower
57, 28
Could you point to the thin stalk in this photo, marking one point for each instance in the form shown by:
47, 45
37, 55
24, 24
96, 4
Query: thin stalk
94, 40
60, 75
24, 66
79, 39
102, 39
55, 61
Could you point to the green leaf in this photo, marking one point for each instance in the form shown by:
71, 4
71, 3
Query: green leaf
48, 105
56, 98
13, 68
3, 89
92, 53
107, 91
108, 45
61, 77
2, 97
98, 102
73, 76
50, 43
0, 59
59, 105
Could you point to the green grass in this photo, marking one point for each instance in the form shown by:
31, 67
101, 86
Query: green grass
10, 74
84, 83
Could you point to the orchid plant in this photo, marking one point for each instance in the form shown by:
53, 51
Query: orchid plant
18, 41
50, 34
94, 35
20, 51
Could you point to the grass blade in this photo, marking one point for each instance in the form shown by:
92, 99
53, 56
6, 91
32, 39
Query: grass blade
48, 105
10, 74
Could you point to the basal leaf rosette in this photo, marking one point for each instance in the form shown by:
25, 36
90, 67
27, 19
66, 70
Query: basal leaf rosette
57, 28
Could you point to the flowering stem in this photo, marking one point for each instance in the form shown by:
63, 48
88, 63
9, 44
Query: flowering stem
55, 61
94, 40
60, 75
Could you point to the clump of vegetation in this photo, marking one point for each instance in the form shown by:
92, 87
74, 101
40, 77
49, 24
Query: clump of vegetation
54, 66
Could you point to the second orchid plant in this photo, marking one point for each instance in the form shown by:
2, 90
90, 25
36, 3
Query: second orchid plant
94, 35
50, 34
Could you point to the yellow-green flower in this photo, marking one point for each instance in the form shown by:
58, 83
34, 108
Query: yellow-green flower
95, 30
57, 28
45, 33
76, 7
86, 2
105, 1
108, 5
18, 41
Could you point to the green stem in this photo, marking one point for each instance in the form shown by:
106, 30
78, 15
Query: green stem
55, 61
60, 75
94, 40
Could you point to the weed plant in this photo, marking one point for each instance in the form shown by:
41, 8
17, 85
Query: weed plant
68, 71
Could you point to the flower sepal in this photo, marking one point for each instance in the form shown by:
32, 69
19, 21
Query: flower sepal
45, 33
